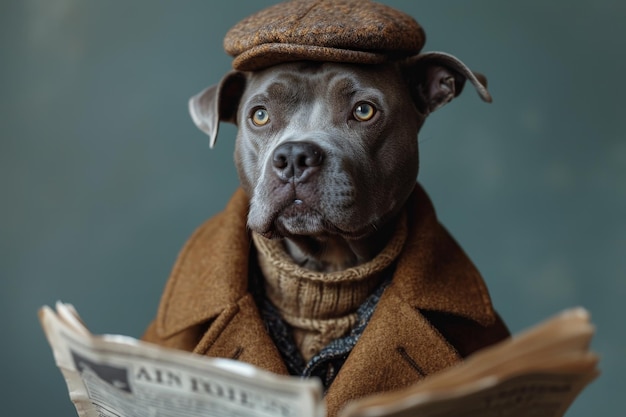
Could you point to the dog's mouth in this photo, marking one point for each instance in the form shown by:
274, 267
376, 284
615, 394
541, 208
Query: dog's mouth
294, 217
298, 218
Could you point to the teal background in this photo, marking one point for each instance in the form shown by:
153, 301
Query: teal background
103, 175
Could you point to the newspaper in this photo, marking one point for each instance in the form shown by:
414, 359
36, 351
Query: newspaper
114, 375
536, 373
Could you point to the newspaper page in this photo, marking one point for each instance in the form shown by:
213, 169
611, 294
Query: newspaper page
537, 395
113, 375
536, 373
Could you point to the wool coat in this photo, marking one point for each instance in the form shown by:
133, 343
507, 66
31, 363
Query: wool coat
435, 311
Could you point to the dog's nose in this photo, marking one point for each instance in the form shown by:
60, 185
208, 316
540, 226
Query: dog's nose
295, 159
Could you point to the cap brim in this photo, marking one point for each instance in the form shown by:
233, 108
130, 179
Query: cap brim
266, 55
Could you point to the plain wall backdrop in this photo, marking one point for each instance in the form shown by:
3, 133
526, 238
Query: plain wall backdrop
103, 175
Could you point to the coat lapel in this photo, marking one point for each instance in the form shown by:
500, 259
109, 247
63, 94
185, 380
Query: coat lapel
398, 348
210, 273
433, 272
208, 288
239, 333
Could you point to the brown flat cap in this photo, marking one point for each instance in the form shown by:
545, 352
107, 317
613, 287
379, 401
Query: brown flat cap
351, 31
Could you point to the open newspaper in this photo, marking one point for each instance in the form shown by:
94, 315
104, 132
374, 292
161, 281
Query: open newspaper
536, 373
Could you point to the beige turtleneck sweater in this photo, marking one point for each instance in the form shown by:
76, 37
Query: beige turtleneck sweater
321, 306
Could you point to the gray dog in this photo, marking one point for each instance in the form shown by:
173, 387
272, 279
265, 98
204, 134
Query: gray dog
328, 152
331, 262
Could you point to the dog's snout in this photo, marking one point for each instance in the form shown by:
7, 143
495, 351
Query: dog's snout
295, 159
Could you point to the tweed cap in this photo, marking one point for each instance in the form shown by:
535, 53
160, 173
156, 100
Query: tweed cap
350, 31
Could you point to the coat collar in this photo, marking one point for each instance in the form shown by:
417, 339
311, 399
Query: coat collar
434, 273
211, 272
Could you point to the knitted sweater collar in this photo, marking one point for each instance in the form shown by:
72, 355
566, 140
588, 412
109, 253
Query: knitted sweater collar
321, 306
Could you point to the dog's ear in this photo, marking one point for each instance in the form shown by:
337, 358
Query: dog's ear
217, 103
436, 78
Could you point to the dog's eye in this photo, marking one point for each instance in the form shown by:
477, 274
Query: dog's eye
364, 112
260, 116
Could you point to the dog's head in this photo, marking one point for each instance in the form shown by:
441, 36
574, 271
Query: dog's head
327, 148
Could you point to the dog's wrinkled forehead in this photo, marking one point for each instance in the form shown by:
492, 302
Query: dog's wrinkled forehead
305, 87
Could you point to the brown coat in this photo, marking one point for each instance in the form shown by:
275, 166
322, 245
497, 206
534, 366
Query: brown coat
436, 310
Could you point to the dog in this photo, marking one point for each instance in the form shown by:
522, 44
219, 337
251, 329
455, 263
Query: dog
328, 152
329, 262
